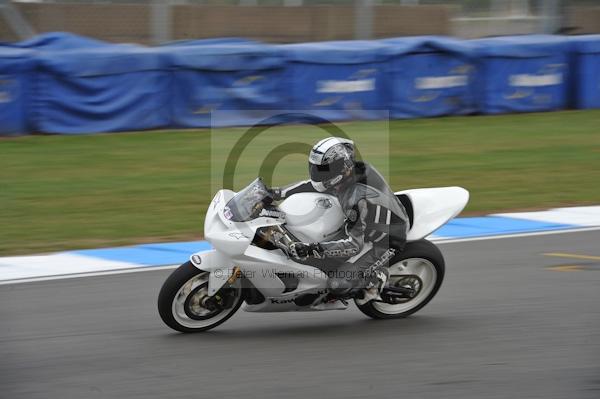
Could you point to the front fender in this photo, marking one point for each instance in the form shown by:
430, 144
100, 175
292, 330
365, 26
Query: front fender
217, 265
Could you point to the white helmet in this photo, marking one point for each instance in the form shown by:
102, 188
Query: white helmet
329, 162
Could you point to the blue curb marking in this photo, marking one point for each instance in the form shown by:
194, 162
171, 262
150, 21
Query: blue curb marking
188, 247
173, 253
149, 254
493, 225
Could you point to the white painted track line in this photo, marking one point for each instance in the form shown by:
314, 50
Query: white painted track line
578, 216
534, 233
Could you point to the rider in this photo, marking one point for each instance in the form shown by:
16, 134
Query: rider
376, 222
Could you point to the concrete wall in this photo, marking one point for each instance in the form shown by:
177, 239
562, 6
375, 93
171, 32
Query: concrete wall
6, 33
584, 20
269, 23
131, 22
111, 22
393, 21
310, 23
471, 28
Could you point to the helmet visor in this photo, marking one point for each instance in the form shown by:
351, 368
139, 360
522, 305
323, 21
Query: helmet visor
323, 173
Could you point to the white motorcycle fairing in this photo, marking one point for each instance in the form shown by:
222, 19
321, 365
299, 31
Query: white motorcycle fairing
432, 208
312, 217
231, 242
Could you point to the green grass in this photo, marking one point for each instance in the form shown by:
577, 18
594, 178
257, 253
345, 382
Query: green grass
60, 192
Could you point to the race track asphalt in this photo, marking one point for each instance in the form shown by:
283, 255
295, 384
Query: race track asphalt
504, 325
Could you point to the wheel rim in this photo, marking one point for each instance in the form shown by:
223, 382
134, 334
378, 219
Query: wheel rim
187, 305
417, 273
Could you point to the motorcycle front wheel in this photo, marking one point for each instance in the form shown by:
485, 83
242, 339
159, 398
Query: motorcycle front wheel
420, 267
184, 303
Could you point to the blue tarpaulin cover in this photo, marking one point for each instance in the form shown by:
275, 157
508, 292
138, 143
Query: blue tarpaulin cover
418, 44
16, 68
208, 42
100, 89
65, 83
59, 41
585, 62
521, 73
243, 78
338, 80
430, 76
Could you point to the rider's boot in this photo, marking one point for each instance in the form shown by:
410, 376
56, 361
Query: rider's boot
331, 304
376, 281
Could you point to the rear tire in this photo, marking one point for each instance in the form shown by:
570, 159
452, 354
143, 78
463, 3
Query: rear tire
420, 262
180, 295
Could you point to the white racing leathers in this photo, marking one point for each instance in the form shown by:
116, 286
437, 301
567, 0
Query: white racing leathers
376, 225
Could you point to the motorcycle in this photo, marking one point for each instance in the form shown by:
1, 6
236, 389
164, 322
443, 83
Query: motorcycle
246, 270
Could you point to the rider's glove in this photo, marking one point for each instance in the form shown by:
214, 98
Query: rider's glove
275, 193
301, 250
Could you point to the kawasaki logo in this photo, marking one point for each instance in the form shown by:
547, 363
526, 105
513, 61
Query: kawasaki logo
281, 301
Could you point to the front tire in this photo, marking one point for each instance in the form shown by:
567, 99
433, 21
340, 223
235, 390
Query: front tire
182, 297
420, 266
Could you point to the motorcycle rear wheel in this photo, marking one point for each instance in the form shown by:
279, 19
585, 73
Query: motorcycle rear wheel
181, 301
420, 267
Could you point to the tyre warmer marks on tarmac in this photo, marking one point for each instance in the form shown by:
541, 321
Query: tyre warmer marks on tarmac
16, 268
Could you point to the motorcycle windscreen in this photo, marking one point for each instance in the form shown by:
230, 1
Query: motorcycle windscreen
247, 203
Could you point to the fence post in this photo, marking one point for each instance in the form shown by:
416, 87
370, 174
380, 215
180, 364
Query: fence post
550, 16
363, 19
15, 20
160, 21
